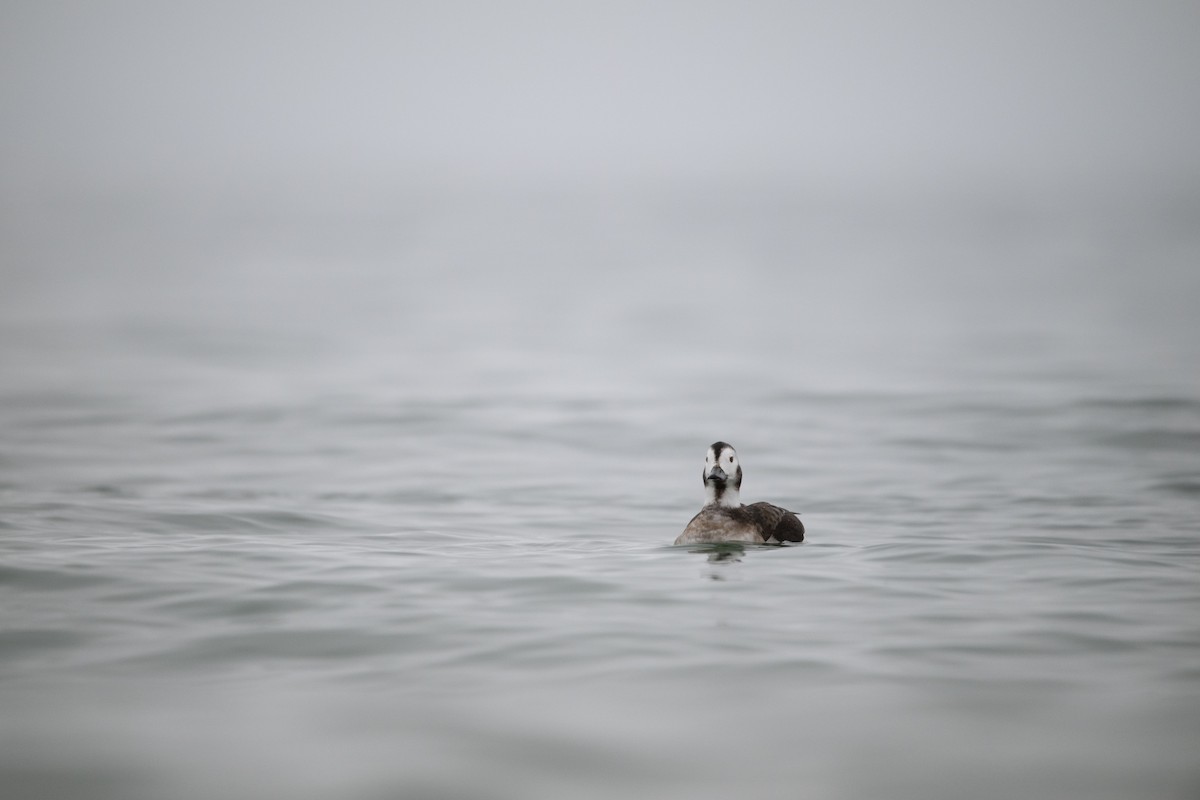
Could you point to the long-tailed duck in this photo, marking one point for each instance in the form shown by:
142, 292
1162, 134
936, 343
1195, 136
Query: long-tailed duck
725, 519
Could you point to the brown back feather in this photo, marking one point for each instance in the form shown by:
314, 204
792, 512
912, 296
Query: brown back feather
776, 522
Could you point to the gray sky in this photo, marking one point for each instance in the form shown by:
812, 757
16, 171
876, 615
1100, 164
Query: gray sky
126, 94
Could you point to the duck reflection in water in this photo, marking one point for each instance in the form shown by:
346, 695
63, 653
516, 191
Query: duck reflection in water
723, 557
724, 553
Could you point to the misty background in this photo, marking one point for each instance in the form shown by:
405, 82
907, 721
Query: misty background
873, 180
1035, 96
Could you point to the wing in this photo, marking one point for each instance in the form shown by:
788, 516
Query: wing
783, 525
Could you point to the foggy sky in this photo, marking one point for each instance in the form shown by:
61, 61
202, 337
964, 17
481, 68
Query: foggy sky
128, 93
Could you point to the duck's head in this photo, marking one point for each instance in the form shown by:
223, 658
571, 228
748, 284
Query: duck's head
722, 475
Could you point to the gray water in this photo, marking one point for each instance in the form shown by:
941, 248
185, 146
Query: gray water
368, 497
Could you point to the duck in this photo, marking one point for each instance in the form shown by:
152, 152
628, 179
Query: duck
723, 517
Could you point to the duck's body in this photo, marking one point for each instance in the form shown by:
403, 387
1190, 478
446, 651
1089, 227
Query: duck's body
725, 519
757, 523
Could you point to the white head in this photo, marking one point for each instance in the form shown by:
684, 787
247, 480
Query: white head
722, 475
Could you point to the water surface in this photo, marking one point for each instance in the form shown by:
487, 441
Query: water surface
376, 499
